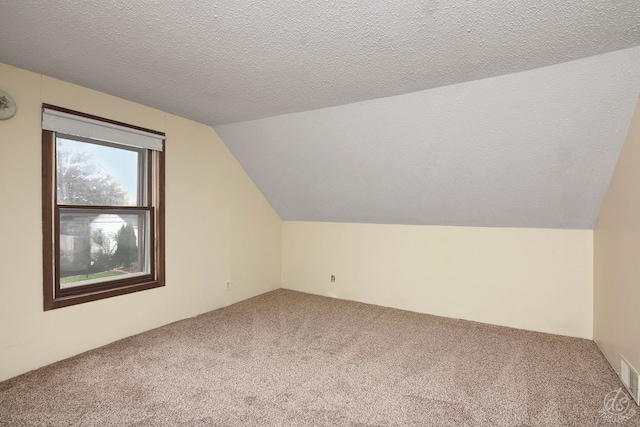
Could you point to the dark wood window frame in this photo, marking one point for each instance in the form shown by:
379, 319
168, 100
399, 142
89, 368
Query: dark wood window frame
54, 296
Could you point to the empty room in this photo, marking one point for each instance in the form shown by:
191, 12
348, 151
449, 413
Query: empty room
329, 213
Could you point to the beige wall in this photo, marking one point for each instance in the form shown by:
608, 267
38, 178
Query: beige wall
534, 279
218, 227
617, 258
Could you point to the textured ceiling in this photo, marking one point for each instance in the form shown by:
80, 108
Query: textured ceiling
444, 124
531, 149
222, 62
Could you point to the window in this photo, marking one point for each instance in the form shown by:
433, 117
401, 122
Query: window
103, 208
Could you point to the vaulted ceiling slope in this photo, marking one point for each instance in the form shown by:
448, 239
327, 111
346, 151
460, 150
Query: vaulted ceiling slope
530, 149
502, 113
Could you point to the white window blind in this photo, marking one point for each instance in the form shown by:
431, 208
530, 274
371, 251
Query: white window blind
71, 124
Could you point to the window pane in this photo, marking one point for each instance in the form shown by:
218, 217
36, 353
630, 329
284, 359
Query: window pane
97, 175
100, 246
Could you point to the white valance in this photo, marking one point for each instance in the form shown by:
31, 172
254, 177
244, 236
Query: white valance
71, 124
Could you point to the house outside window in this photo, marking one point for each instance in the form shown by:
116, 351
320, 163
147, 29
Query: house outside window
103, 208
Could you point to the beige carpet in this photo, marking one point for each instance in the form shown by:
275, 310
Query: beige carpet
291, 359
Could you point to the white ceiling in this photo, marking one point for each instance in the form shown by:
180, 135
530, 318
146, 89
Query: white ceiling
531, 149
490, 144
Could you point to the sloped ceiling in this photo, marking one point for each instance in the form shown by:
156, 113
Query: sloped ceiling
531, 149
501, 113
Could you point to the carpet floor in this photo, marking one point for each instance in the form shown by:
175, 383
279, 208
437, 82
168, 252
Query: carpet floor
287, 358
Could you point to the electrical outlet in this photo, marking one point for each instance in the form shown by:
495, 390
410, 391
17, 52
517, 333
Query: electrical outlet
333, 278
227, 285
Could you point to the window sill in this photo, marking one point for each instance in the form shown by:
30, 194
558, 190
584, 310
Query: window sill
51, 304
